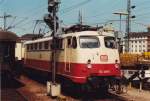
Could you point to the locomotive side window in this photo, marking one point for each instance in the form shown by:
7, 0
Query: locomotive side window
46, 44
50, 44
110, 42
59, 44
69, 42
28, 47
89, 42
31, 46
74, 42
35, 46
40, 45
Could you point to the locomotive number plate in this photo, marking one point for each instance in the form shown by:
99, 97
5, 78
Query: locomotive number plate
104, 71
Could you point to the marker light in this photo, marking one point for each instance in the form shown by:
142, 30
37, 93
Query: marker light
89, 65
116, 64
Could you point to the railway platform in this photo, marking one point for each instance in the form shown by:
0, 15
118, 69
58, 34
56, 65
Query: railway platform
137, 95
33, 91
133, 94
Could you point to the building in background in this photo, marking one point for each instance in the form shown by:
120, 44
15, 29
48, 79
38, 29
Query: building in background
139, 42
19, 50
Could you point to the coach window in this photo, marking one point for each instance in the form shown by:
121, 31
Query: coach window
46, 45
74, 42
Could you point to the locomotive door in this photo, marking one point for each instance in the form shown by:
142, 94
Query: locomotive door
68, 54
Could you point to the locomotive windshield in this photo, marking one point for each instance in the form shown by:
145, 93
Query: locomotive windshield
89, 42
110, 42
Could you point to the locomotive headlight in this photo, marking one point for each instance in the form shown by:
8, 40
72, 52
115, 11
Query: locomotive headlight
89, 65
117, 64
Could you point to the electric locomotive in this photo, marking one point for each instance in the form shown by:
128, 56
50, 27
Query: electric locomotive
84, 56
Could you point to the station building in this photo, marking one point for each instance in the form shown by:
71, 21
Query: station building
139, 42
19, 50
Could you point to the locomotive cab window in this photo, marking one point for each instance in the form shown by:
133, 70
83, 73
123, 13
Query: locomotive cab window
89, 42
110, 42
74, 42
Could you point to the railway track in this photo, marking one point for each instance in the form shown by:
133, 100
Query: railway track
38, 92
29, 89
8, 88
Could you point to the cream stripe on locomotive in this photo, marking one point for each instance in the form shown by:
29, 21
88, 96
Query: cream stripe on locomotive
39, 55
77, 55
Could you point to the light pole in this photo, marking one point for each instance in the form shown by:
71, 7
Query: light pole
120, 15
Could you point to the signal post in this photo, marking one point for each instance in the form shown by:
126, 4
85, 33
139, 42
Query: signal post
51, 20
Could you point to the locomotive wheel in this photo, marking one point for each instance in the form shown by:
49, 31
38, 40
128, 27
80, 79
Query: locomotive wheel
103, 89
86, 88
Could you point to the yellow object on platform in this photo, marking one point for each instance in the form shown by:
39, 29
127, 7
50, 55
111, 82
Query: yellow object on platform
146, 55
129, 59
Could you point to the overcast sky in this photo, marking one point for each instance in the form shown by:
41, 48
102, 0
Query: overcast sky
26, 12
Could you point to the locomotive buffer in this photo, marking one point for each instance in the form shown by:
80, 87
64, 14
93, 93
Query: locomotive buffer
53, 88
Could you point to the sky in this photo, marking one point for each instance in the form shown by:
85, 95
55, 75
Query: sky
25, 13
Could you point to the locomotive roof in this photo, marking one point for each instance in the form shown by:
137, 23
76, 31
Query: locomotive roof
38, 40
82, 33
8, 36
88, 33
81, 27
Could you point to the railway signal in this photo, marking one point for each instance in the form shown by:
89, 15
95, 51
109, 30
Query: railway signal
52, 21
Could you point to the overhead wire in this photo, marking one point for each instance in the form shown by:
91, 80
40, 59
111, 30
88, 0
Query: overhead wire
142, 2
68, 9
142, 14
104, 13
143, 7
11, 23
142, 24
140, 11
19, 22
27, 19
35, 13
